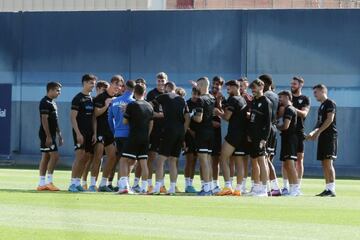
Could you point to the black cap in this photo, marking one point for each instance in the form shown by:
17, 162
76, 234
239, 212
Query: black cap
232, 83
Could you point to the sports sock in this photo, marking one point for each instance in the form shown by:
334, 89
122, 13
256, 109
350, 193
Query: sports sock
77, 181
157, 186
93, 181
103, 182
136, 181
49, 178
331, 186
191, 181
187, 182
162, 182
149, 181
123, 182
286, 183
216, 183
83, 182
42, 181
231, 180
228, 184
73, 181
252, 183
144, 185
243, 184
275, 184
172, 187
238, 187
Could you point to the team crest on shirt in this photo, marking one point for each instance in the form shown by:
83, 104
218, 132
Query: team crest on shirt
300, 101
259, 104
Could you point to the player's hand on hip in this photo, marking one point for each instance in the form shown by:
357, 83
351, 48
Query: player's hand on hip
262, 144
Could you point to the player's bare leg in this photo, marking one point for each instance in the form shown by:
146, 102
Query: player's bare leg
110, 151
123, 183
300, 166
293, 178
226, 152
240, 173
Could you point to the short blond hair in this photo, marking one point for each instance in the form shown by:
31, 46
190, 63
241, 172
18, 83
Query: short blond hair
162, 75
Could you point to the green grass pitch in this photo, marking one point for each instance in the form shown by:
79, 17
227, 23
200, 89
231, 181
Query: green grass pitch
27, 214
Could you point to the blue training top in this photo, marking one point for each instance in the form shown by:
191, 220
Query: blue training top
116, 116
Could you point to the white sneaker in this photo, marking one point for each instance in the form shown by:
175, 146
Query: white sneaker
216, 190
261, 194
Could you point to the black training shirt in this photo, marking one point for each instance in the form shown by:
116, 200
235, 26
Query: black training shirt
299, 102
290, 113
84, 105
260, 119
139, 113
328, 106
48, 107
158, 122
102, 120
206, 105
174, 108
238, 121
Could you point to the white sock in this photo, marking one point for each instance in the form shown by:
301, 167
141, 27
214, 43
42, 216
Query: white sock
187, 182
191, 182
103, 182
144, 185
264, 188
256, 187
238, 187
172, 187
42, 181
49, 178
243, 184
331, 186
136, 181
202, 183
162, 182
231, 180
252, 183
275, 184
83, 182
93, 181
228, 184
211, 185
207, 186
77, 181
157, 186
286, 183
149, 181
123, 182
73, 181
216, 183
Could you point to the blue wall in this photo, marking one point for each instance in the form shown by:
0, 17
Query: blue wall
321, 45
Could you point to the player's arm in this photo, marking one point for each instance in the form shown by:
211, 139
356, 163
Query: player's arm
58, 131
94, 126
267, 124
111, 119
285, 125
151, 124
99, 109
45, 124
317, 131
187, 121
79, 136
303, 112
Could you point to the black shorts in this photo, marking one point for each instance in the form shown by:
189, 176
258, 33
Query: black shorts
87, 145
43, 147
255, 150
105, 137
272, 141
190, 144
288, 147
135, 149
204, 141
216, 149
301, 142
155, 138
171, 143
241, 145
120, 144
327, 147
